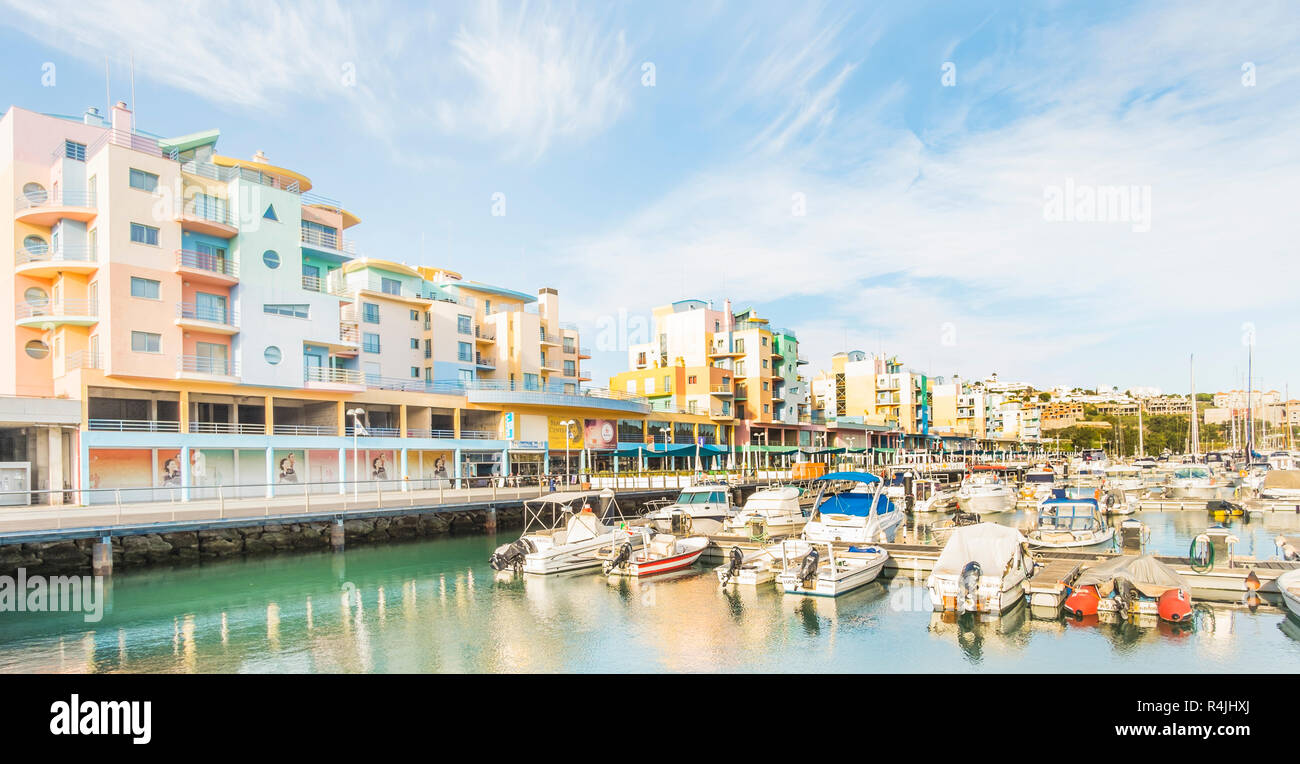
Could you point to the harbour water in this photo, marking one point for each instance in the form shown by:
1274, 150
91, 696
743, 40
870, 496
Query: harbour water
435, 606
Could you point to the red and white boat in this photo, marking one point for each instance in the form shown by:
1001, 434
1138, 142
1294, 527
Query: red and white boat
661, 553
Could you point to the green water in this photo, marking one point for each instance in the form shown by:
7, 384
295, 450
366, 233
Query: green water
435, 606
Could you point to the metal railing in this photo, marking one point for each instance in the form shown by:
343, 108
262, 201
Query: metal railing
332, 376
373, 432
549, 339
126, 139
312, 283
326, 240
485, 332
63, 308
66, 252
60, 198
486, 363
721, 389
207, 261
195, 312
201, 364
229, 428
133, 425
304, 429
209, 170
203, 207
350, 333
81, 359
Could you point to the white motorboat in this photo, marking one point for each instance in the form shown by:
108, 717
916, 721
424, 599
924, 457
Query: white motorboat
817, 569
982, 569
769, 512
1125, 478
1289, 585
929, 495
1064, 523
1091, 461
562, 530
700, 509
1193, 481
752, 568
659, 553
1281, 484
861, 515
1038, 483
985, 491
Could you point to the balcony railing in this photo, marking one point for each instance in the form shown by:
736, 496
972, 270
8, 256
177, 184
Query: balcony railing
349, 334
721, 389
202, 364
312, 283
81, 359
549, 339
66, 252
65, 307
304, 429
221, 265
207, 313
486, 363
211, 209
374, 432
228, 428
332, 376
60, 198
326, 240
133, 425
485, 332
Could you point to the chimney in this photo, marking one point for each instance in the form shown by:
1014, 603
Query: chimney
122, 117
93, 117
260, 158
549, 305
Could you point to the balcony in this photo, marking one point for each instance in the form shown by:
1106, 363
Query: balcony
550, 339
41, 262
206, 215
504, 392
132, 425
325, 378
723, 390
47, 315
484, 362
326, 242
206, 267
205, 367
373, 432
584, 353
485, 334
227, 428
204, 318
81, 359
43, 208
304, 429
349, 334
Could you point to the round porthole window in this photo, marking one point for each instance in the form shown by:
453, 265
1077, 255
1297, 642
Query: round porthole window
36, 297
36, 246
35, 193
271, 258
37, 349
272, 355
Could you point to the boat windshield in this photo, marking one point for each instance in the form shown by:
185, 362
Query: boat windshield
702, 497
1188, 473
1071, 517
1039, 477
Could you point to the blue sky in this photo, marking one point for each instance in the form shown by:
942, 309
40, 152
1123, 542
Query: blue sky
811, 162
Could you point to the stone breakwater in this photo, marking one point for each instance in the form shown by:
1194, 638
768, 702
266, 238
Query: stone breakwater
73, 555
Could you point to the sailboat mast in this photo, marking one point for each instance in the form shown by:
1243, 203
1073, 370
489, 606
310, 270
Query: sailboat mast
1250, 393
1196, 433
1141, 449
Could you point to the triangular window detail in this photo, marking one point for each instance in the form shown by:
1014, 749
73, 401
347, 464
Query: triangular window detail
270, 213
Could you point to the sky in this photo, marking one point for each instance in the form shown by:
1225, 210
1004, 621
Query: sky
1060, 193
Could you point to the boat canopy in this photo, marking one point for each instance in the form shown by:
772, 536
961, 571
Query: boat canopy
856, 504
774, 498
1151, 577
1069, 514
857, 477
991, 545
571, 497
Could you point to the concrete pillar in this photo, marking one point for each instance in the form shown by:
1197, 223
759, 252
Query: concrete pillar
269, 415
337, 535
271, 472
343, 470
101, 557
183, 407
491, 525
455, 426
83, 468
505, 462
404, 473
56, 466
184, 456
342, 419
456, 472
401, 418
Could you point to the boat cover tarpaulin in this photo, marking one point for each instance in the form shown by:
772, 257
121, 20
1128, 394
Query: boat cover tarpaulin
1151, 577
1282, 479
989, 544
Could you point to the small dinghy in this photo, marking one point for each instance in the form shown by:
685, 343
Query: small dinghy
817, 569
1123, 587
753, 568
661, 553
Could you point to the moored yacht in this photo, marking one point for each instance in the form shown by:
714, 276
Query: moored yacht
986, 491
700, 509
1125, 478
1062, 523
1193, 481
769, 512
864, 514
982, 569
562, 530
817, 569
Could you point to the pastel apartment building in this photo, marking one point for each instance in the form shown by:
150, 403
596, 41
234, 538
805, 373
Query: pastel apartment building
213, 321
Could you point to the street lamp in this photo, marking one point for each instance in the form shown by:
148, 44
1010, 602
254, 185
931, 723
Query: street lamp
568, 471
356, 415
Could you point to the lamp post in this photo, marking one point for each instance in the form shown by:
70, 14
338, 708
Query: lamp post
356, 415
568, 471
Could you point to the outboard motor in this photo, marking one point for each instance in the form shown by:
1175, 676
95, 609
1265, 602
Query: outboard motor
624, 554
808, 568
734, 560
970, 582
511, 555
1125, 596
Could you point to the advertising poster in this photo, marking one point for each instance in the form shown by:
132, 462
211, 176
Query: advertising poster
120, 468
556, 433
169, 468
383, 465
289, 467
601, 433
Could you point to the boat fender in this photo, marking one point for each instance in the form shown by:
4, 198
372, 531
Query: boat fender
808, 568
1174, 606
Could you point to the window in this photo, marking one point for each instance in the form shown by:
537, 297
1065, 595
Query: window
145, 181
740, 346
464, 351
271, 259
691, 379
570, 369
764, 387
370, 343
93, 243
36, 297
270, 213
765, 342
390, 286
415, 344
668, 384
35, 246
487, 307
144, 234
74, 150
272, 355
530, 382
35, 193
370, 312
428, 373
415, 372
293, 310
766, 409
569, 345
465, 375
415, 315
210, 307
146, 288
37, 349
146, 342
764, 363
463, 324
